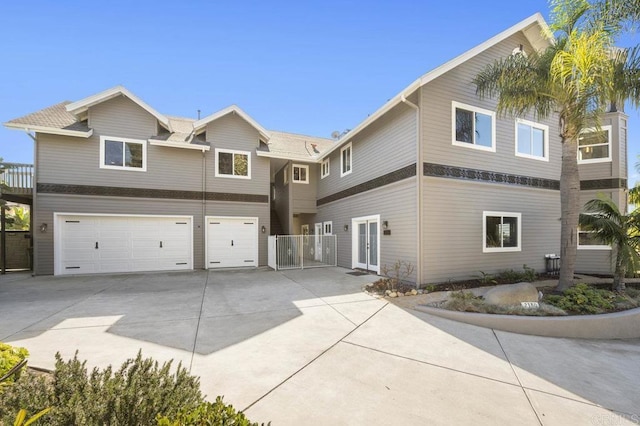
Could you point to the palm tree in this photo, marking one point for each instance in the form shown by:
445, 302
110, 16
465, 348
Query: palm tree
622, 231
573, 78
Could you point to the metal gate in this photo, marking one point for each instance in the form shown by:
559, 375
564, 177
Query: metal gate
302, 251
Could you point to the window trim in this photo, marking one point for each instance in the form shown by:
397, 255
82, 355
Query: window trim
473, 109
348, 146
608, 129
486, 249
103, 139
285, 175
590, 247
538, 126
324, 227
231, 151
293, 175
326, 162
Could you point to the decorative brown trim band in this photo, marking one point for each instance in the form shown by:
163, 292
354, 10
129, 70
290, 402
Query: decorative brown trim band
440, 170
115, 191
615, 183
395, 176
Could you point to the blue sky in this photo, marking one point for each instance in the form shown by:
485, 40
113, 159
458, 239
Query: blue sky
304, 67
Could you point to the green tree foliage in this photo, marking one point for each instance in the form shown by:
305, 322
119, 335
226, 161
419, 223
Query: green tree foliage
621, 231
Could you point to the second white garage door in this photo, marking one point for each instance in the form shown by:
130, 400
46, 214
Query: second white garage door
232, 242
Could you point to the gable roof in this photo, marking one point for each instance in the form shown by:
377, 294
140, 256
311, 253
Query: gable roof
78, 107
53, 120
233, 109
534, 28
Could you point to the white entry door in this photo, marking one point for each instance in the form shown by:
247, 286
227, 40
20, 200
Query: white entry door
366, 243
232, 242
318, 241
88, 243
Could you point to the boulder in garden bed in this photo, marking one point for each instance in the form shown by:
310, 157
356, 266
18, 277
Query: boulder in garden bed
511, 294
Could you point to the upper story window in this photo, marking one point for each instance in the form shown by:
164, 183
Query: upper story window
123, 154
473, 127
532, 140
501, 231
346, 160
594, 146
300, 173
325, 168
233, 164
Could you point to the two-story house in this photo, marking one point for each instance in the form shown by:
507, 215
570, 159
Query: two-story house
434, 178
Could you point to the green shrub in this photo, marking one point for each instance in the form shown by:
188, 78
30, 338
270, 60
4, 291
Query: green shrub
10, 356
485, 278
207, 413
583, 299
133, 395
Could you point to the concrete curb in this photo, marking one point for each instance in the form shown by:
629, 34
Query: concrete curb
617, 325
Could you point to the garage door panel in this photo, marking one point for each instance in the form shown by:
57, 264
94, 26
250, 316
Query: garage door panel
232, 242
125, 244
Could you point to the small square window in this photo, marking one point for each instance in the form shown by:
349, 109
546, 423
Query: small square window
328, 228
123, 154
594, 146
501, 231
300, 173
473, 127
325, 168
532, 140
234, 164
346, 160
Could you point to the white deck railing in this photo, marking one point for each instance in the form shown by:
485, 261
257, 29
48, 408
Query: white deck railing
302, 251
17, 177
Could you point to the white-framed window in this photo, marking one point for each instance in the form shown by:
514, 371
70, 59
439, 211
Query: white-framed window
532, 140
587, 240
300, 174
325, 168
285, 175
473, 127
233, 164
123, 154
346, 159
594, 146
327, 228
501, 231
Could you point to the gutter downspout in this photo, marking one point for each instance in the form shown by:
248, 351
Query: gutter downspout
33, 210
204, 208
419, 207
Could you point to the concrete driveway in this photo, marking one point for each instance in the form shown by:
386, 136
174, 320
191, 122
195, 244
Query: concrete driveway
309, 347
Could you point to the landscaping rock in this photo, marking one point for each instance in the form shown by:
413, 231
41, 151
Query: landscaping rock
511, 294
393, 294
388, 292
400, 294
414, 292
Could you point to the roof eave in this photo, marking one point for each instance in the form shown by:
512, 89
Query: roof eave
179, 145
264, 133
49, 130
265, 154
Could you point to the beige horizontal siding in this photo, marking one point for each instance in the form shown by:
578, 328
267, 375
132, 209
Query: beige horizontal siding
456, 85
452, 230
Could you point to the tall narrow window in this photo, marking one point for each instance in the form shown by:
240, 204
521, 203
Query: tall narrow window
325, 168
346, 160
235, 164
473, 127
532, 140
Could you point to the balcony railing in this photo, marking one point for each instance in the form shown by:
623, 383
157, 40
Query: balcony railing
16, 178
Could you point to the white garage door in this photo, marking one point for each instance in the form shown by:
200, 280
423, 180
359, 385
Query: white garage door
232, 242
86, 244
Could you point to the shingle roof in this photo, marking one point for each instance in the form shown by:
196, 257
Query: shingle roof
295, 146
55, 116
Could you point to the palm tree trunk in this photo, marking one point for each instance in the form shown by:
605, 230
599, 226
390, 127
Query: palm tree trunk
620, 272
570, 211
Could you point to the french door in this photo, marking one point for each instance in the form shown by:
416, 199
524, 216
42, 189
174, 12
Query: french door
318, 241
366, 243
